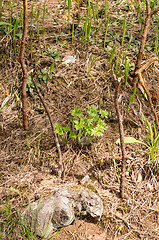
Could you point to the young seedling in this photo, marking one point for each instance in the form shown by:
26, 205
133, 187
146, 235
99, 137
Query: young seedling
43, 17
151, 140
37, 21
84, 128
124, 31
106, 30
91, 65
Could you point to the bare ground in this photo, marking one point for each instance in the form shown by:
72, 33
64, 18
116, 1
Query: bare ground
28, 161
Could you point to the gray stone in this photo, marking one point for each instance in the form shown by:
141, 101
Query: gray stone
52, 213
89, 203
57, 211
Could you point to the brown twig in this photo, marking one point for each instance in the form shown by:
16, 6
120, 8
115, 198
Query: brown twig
122, 144
143, 41
60, 164
154, 11
138, 68
141, 80
24, 84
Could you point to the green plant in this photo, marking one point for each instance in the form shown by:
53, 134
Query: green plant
13, 226
54, 54
112, 55
30, 85
151, 140
69, 8
132, 97
91, 65
87, 25
82, 126
106, 30
31, 19
37, 21
124, 30
0, 9
126, 70
44, 75
44, 10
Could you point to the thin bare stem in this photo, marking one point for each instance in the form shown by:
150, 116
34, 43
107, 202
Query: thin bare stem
24, 84
25, 75
122, 144
143, 41
60, 164
138, 68
141, 79
154, 11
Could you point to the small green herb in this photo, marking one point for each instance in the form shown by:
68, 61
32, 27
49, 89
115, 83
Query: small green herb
84, 127
54, 54
151, 140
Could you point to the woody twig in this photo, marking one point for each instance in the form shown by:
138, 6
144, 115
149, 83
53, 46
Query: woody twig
60, 164
24, 83
138, 69
142, 82
144, 37
122, 144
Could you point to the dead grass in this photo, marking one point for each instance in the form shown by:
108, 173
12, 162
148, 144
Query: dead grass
28, 161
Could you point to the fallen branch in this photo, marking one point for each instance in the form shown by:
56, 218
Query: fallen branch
143, 41
144, 37
60, 164
138, 69
142, 82
25, 75
122, 144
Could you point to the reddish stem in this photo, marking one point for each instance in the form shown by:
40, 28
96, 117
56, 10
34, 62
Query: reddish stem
122, 144
24, 84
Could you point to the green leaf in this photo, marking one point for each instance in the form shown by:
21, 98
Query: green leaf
97, 131
112, 56
38, 84
44, 71
156, 141
129, 140
66, 129
58, 129
14, 190
40, 76
103, 113
19, 35
88, 129
89, 121
96, 118
50, 76
79, 124
132, 97
72, 119
45, 79
102, 124
29, 81
5, 23
76, 112
80, 134
52, 67
92, 110
72, 135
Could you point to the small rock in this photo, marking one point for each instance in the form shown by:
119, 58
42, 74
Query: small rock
52, 213
90, 203
57, 211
